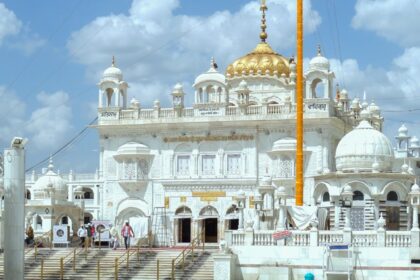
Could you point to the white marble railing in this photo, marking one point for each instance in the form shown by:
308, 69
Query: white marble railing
330, 237
299, 238
364, 238
238, 238
317, 107
373, 238
264, 238
398, 239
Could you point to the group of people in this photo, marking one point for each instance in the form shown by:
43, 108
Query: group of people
87, 235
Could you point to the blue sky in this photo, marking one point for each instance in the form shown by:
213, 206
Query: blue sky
53, 54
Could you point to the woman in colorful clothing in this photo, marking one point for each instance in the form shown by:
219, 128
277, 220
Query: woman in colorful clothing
127, 232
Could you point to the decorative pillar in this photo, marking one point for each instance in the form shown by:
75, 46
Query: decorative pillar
224, 266
415, 203
240, 202
14, 209
281, 195
381, 231
258, 207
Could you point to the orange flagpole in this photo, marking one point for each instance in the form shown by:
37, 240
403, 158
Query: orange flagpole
299, 105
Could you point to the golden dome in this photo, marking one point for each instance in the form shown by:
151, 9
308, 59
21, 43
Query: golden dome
261, 59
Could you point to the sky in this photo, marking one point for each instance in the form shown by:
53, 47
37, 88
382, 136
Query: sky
53, 54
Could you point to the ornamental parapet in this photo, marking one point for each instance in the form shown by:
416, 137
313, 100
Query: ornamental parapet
313, 108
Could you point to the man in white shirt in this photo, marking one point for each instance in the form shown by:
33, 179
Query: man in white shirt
82, 234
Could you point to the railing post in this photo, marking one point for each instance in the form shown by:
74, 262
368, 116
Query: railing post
415, 237
128, 257
42, 269
313, 237
74, 260
36, 251
61, 268
51, 239
192, 252
183, 260
381, 237
86, 246
138, 253
99, 244
116, 269
157, 269
98, 271
173, 269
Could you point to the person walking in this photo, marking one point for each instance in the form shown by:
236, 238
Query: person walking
89, 234
114, 235
127, 232
29, 235
81, 232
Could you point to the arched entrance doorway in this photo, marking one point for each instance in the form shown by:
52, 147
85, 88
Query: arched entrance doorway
137, 219
232, 218
66, 220
209, 220
183, 223
87, 217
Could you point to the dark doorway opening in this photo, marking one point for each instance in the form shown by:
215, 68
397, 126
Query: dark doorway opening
393, 218
184, 230
210, 230
233, 224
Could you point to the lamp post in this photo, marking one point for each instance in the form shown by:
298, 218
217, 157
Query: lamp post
240, 202
347, 196
281, 196
415, 203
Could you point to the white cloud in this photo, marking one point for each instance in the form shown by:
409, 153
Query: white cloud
9, 23
28, 43
49, 125
397, 21
157, 48
12, 111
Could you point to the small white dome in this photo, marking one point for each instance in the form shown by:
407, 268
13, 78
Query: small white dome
374, 109
361, 147
284, 144
50, 180
319, 62
266, 181
355, 103
212, 75
132, 149
404, 168
414, 142
344, 94
402, 131
415, 188
365, 114
112, 73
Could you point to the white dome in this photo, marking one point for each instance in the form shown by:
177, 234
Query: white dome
414, 142
402, 131
50, 180
361, 147
319, 62
374, 109
212, 75
133, 149
285, 144
112, 73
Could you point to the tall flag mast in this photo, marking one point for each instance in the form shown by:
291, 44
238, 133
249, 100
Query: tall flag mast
299, 105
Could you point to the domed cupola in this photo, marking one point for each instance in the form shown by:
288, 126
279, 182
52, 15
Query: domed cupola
319, 62
364, 149
50, 185
262, 60
210, 87
112, 73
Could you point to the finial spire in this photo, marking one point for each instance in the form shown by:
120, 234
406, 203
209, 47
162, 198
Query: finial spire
213, 63
319, 50
263, 34
50, 164
113, 61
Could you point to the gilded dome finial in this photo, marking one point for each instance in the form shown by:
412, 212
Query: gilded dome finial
263, 34
113, 61
319, 50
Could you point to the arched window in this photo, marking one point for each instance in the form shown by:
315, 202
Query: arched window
64, 220
88, 217
358, 195
326, 197
317, 88
392, 196
268, 201
88, 193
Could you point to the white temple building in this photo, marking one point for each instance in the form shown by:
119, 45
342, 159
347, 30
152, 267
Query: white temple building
224, 166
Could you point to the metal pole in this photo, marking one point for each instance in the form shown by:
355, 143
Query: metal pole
98, 271
42, 269
86, 246
116, 269
36, 250
157, 269
299, 106
61, 268
183, 260
14, 209
138, 253
74, 260
99, 241
173, 269
128, 257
